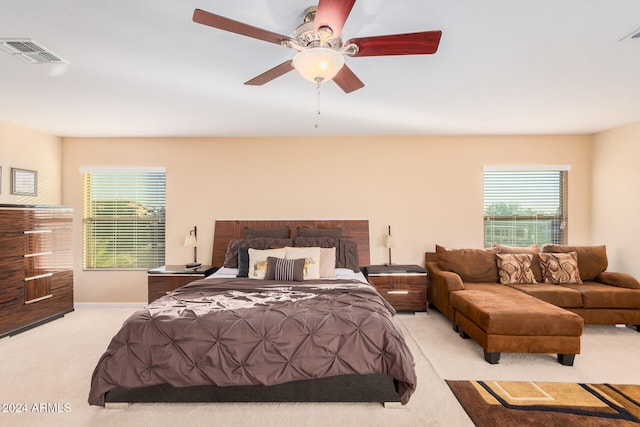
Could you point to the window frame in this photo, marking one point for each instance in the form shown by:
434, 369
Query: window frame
557, 223
142, 190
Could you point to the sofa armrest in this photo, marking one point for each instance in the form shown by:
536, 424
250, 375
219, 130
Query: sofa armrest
621, 280
443, 279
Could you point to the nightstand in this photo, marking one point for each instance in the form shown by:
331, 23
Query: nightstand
162, 280
403, 286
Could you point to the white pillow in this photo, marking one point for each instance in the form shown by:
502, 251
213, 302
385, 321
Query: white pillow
258, 261
328, 263
311, 257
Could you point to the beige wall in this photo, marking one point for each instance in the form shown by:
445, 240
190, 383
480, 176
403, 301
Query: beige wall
429, 189
29, 149
616, 174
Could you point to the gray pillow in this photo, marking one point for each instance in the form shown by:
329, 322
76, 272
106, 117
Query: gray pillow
334, 233
347, 255
316, 241
274, 233
231, 257
285, 269
346, 250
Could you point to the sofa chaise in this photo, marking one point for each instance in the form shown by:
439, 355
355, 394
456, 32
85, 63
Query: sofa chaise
512, 299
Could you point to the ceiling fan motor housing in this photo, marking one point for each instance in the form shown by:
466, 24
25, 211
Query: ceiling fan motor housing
307, 36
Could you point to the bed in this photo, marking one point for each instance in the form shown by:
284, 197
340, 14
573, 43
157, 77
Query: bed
240, 339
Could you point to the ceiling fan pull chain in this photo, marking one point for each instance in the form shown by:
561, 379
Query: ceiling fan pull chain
317, 125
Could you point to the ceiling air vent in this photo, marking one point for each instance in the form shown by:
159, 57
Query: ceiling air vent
29, 51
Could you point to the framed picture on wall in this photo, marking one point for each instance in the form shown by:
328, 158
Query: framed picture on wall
24, 182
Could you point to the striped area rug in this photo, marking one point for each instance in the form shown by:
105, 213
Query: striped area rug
508, 403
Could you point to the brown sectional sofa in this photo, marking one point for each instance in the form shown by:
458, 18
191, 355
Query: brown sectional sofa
482, 292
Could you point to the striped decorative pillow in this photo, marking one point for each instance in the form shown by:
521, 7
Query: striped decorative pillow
285, 269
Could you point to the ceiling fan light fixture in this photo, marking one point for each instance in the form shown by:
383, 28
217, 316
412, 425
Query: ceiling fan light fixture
318, 64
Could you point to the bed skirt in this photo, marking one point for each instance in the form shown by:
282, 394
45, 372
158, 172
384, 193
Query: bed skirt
343, 388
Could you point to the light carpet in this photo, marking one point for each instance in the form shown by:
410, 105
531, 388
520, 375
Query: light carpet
608, 354
52, 364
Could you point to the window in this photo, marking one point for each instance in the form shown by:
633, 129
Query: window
525, 206
123, 218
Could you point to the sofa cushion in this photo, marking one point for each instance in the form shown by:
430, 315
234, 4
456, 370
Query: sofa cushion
489, 287
560, 296
472, 265
506, 249
534, 250
515, 268
560, 268
592, 260
515, 314
621, 280
597, 295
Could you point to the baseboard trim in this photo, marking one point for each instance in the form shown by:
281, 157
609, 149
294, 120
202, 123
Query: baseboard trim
110, 304
37, 323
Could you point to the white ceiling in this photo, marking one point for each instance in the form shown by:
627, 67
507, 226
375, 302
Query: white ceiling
143, 68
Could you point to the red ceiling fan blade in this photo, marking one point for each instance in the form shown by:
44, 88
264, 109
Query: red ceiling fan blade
422, 43
347, 80
333, 14
271, 74
226, 24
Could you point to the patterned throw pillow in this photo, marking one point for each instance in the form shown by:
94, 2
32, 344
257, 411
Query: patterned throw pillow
560, 268
311, 260
515, 268
285, 269
534, 250
258, 261
592, 260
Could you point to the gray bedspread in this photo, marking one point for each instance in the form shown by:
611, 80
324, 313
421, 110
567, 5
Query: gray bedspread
233, 331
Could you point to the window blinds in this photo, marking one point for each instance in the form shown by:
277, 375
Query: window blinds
525, 207
123, 219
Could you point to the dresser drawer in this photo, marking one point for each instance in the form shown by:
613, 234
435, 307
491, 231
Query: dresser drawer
161, 284
162, 280
62, 281
402, 291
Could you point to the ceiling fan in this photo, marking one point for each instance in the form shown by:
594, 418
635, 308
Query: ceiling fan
320, 47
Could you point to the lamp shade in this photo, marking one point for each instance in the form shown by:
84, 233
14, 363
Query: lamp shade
190, 241
318, 63
389, 241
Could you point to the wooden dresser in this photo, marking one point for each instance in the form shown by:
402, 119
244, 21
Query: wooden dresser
36, 265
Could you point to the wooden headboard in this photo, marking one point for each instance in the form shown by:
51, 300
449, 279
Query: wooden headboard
226, 230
